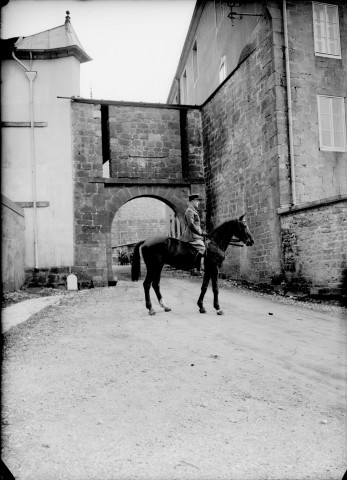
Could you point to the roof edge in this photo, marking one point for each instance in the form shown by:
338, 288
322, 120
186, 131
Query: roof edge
199, 7
124, 103
54, 53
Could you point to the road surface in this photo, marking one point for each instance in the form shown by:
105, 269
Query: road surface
96, 389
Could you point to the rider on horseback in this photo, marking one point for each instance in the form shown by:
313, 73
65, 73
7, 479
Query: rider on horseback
193, 232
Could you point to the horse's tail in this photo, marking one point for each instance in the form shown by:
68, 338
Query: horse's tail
136, 263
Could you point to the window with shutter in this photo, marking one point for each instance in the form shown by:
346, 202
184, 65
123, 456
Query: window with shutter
326, 30
332, 123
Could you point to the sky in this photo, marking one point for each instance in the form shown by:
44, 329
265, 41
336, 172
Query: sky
135, 44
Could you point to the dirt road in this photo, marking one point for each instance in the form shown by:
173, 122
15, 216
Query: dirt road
95, 388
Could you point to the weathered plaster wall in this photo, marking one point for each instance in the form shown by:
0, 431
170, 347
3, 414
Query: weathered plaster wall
318, 174
12, 248
59, 77
215, 38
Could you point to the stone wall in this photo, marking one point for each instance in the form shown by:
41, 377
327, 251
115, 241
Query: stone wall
89, 198
313, 231
191, 130
242, 123
145, 143
245, 132
12, 251
246, 168
314, 248
154, 143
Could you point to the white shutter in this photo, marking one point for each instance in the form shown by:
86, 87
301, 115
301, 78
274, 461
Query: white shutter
326, 30
332, 30
319, 27
332, 123
337, 112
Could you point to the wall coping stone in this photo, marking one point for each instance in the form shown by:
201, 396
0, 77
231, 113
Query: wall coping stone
122, 103
308, 205
149, 181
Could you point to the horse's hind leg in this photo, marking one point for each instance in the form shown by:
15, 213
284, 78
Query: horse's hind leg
147, 286
156, 288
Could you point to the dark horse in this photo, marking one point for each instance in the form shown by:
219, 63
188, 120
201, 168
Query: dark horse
158, 251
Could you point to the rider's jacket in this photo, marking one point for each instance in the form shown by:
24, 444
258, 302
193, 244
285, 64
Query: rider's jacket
192, 225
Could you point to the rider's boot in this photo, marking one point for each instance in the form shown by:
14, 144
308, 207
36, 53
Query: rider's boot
198, 265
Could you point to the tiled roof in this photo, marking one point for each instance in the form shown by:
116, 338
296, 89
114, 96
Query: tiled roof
57, 42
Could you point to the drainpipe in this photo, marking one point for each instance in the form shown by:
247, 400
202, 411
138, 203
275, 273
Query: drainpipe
31, 75
289, 107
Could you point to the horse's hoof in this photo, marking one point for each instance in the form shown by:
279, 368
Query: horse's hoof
152, 312
220, 312
202, 310
167, 309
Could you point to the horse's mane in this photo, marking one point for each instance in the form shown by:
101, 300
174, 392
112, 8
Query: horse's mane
222, 234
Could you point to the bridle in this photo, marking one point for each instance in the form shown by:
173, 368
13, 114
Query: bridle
237, 242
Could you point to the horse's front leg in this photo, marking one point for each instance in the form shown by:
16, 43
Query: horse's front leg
215, 290
164, 305
204, 286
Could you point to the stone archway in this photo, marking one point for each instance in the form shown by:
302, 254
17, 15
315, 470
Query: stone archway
174, 197
153, 150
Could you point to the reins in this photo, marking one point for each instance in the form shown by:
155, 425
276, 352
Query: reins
236, 243
221, 232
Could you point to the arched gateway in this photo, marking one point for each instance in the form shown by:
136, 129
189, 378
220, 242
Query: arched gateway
123, 151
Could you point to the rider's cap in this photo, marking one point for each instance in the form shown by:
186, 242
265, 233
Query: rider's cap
195, 196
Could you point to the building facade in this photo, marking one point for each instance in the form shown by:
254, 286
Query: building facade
255, 122
37, 73
270, 79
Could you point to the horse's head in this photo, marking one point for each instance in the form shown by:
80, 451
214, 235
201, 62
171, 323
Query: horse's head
231, 232
244, 233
